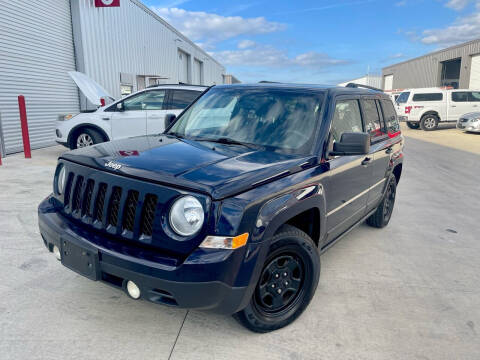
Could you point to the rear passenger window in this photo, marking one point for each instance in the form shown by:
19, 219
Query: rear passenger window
474, 96
347, 118
428, 97
373, 121
182, 98
460, 96
390, 117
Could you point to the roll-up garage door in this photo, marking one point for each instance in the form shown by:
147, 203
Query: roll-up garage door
388, 82
36, 52
182, 67
475, 73
197, 72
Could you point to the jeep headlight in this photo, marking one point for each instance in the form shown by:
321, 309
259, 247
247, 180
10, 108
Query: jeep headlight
186, 216
60, 179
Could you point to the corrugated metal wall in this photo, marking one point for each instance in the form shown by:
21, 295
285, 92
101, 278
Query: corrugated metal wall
426, 70
131, 39
36, 52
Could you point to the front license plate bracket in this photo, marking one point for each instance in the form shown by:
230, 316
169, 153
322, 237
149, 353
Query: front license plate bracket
80, 258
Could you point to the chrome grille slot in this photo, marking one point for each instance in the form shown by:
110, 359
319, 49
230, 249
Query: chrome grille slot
130, 210
87, 198
114, 206
148, 215
77, 194
100, 202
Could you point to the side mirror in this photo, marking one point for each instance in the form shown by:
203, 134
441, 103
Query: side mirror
169, 120
120, 106
352, 143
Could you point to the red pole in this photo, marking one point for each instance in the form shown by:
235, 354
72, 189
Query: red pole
23, 121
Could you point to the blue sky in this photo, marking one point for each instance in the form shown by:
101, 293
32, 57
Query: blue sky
322, 41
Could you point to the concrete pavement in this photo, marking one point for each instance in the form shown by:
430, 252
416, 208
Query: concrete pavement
409, 291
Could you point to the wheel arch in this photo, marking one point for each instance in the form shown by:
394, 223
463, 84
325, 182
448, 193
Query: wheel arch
86, 126
307, 215
431, 112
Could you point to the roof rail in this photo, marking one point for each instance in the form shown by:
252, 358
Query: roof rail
354, 85
178, 84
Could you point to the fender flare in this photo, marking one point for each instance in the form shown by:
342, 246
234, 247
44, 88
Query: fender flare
431, 112
278, 211
86, 125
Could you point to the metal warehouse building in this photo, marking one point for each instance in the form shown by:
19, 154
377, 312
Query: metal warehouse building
457, 66
124, 48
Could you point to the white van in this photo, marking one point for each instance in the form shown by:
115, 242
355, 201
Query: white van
425, 108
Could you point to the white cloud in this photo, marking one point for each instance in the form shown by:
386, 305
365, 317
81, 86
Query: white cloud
463, 29
245, 44
268, 56
401, 3
210, 28
457, 4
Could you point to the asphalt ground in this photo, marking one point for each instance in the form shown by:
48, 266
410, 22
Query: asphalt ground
409, 291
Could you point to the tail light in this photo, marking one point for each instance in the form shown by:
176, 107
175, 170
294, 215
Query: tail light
408, 109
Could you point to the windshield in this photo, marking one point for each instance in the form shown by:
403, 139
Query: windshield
403, 98
273, 118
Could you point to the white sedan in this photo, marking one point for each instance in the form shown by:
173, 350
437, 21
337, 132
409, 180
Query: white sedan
142, 113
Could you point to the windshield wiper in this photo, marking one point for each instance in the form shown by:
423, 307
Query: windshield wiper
177, 135
229, 141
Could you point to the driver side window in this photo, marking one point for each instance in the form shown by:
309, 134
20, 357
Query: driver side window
347, 118
135, 102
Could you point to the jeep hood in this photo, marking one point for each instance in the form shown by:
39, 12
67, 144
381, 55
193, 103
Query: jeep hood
215, 169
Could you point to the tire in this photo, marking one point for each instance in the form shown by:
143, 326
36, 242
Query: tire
292, 266
87, 137
413, 125
429, 122
381, 217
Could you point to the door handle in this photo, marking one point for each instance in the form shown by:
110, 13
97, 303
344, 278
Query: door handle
454, 105
388, 151
366, 161
105, 118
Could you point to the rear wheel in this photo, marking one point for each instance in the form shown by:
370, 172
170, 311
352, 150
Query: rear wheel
382, 215
413, 125
85, 137
287, 283
429, 122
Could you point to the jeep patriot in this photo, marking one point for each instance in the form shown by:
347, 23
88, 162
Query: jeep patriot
231, 206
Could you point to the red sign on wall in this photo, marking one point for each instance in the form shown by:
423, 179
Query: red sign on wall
107, 3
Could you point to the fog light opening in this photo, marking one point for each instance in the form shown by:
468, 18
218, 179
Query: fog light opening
133, 290
57, 253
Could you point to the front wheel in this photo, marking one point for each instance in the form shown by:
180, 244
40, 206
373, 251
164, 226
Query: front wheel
287, 283
382, 215
429, 122
85, 137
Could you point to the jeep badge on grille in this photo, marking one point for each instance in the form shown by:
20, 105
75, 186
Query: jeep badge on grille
113, 165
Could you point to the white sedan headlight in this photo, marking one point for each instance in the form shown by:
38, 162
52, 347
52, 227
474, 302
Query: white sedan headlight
186, 216
60, 180
474, 120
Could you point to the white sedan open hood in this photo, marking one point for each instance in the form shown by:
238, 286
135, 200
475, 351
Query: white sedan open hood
92, 90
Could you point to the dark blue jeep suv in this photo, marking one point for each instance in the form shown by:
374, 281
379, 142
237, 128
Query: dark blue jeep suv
229, 208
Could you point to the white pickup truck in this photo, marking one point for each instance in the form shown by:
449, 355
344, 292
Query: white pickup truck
425, 108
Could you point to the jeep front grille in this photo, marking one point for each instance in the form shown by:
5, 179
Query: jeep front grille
124, 212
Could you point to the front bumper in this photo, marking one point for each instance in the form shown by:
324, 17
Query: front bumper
206, 280
465, 126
